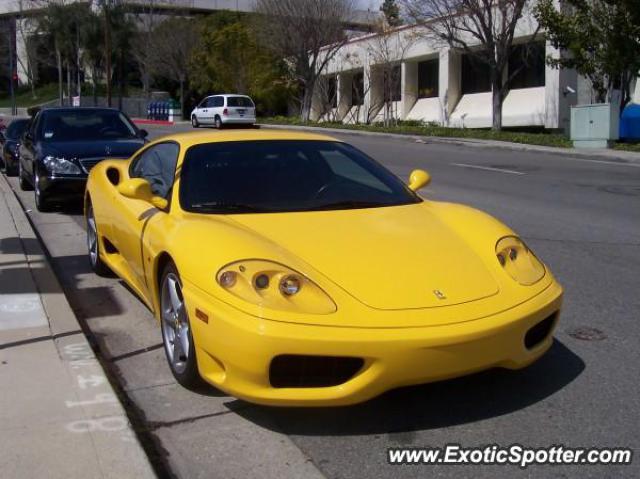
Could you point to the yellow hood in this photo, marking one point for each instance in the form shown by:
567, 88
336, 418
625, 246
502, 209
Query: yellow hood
401, 257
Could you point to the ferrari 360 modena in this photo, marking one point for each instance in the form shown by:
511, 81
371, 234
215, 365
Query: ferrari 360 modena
292, 269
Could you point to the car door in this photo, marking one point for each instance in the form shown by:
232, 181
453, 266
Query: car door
28, 145
157, 165
201, 111
217, 105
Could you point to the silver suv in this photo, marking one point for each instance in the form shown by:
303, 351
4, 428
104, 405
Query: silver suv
225, 109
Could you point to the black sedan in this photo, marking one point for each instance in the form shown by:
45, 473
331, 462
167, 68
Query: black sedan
11, 147
63, 144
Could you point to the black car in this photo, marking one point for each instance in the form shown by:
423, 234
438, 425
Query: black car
63, 144
11, 145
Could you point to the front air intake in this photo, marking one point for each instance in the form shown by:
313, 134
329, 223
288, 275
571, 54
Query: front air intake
299, 371
539, 332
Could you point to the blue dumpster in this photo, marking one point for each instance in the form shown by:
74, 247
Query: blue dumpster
630, 123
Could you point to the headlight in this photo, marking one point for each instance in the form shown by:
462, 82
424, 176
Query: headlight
13, 148
61, 166
519, 261
274, 286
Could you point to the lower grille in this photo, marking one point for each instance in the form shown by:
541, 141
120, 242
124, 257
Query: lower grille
539, 332
298, 371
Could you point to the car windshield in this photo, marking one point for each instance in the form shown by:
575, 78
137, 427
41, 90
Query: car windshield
240, 101
16, 129
86, 125
285, 175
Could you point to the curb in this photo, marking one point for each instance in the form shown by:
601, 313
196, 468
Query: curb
615, 156
118, 449
144, 121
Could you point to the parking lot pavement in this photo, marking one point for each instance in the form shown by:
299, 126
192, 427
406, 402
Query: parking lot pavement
581, 217
59, 415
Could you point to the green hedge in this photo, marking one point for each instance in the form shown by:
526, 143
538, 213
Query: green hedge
413, 127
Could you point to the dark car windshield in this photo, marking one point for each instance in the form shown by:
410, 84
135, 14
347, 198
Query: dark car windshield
284, 175
240, 101
16, 128
86, 125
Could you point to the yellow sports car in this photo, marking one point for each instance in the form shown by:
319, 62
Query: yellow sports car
292, 269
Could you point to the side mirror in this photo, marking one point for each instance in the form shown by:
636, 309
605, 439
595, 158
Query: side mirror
140, 189
143, 134
418, 179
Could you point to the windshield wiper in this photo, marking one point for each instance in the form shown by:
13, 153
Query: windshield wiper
221, 206
347, 205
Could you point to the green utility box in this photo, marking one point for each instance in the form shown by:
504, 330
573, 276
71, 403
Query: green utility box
594, 126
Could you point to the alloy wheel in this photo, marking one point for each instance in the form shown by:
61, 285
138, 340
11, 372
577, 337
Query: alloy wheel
175, 324
92, 238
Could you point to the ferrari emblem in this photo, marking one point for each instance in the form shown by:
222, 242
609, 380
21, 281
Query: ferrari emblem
439, 294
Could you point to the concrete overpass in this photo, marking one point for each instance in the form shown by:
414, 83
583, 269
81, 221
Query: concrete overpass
14, 16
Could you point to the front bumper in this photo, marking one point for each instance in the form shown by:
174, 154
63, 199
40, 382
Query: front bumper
62, 187
234, 350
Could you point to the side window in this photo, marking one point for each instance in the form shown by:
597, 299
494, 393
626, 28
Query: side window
218, 101
157, 165
33, 127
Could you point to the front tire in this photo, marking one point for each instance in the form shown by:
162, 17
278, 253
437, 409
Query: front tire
10, 168
194, 121
22, 181
93, 245
176, 330
42, 200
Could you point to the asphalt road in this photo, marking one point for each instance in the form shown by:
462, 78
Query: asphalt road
582, 217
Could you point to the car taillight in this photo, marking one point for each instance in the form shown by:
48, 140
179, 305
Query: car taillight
225, 112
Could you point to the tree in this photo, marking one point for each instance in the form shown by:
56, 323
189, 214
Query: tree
148, 15
25, 27
174, 41
307, 33
386, 52
391, 12
63, 21
602, 38
230, 58
482, 29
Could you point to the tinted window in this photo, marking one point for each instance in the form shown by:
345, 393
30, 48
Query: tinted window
239, 101
276, 176
17, 128
527, 62
357, 89
476, 76
83, 125
157, 165
393, 84
428, 78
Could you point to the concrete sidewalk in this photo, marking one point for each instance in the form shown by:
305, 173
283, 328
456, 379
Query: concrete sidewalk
59, 415
594, 154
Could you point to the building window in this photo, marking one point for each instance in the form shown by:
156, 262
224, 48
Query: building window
528, 63
357, 89
331, 92
392, 84
476, 76
428, 78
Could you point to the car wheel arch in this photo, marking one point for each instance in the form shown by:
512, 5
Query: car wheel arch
162, 260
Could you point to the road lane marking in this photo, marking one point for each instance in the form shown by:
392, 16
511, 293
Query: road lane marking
488, 168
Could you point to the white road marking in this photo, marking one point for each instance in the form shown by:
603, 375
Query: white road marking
488, 168
19, 311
